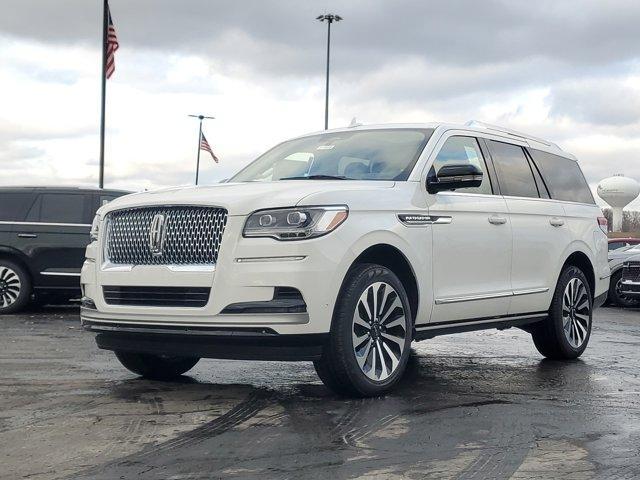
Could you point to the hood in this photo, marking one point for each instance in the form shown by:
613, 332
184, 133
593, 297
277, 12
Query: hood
244, 198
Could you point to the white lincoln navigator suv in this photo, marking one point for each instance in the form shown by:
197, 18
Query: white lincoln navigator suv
343, 247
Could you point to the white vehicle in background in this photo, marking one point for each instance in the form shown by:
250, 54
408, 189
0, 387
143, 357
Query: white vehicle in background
343, 247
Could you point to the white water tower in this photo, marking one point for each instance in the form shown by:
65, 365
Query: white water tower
618, 191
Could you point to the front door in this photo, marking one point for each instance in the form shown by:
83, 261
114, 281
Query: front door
471, 241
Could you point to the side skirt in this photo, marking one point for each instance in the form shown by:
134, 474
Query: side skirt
458, 326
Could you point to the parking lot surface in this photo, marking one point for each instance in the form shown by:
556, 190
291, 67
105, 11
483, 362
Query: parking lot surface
481, 405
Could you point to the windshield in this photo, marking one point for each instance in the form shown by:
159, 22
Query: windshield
385, 154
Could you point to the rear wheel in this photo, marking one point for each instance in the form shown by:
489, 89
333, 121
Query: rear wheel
155, 366
15, 287
371, 334
566, 332
616, 296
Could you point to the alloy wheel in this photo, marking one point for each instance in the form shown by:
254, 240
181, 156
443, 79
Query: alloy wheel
576, 312
379, 331
9, 286
625, 299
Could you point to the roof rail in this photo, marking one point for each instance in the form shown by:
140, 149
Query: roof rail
514, 133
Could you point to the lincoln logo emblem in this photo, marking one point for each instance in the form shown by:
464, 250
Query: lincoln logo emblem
157, 231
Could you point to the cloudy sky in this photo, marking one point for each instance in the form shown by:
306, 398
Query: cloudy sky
565, 70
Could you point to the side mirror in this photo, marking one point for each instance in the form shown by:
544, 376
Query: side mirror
451, 177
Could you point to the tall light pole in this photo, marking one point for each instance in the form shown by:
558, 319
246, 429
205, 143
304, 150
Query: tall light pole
329, 18
201, 118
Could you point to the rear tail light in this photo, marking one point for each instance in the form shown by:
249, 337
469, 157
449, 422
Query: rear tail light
603, 224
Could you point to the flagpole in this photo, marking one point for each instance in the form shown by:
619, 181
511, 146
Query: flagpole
105, 28
201, 118
199, 142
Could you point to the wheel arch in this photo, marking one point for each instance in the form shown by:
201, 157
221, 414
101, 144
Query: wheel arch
581, 260
18, 257
394, 259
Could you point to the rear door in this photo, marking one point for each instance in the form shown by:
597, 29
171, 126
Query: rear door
540, 235
55, 236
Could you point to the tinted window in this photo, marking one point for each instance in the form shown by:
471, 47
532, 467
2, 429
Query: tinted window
514, 173
460, 150
616, 245
62, 208
563, 177
14, 206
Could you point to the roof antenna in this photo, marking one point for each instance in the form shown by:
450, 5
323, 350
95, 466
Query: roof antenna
354, 123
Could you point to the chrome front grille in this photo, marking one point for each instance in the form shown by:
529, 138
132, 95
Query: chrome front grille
631, 272
186, 235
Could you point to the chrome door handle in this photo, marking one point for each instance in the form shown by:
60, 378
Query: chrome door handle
27, 235
556, 222
496, 220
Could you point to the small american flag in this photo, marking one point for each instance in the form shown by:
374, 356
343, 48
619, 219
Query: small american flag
204, 145
112, 46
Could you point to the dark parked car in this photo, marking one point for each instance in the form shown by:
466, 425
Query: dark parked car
43, 235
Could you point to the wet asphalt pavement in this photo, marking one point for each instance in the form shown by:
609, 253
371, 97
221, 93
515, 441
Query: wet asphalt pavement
478, 405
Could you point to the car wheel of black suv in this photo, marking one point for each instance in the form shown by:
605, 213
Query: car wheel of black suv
615, 296
565, 333
15, 287
156, 367
371, 332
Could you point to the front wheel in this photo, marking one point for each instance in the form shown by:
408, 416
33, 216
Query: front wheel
370, 340
565, 333
156, 367
616, 296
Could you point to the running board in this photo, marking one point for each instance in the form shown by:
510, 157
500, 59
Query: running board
460, 326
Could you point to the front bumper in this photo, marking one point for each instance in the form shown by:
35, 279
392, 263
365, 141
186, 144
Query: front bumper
630, 288
248, 271
206, 342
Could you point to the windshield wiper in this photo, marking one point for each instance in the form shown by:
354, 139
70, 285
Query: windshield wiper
317, 177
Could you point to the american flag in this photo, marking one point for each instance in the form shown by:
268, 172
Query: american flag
204, 145
112, 46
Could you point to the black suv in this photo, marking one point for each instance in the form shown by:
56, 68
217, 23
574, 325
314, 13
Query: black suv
43, 235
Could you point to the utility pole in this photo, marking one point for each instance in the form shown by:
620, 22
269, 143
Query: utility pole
201, 118
329, 18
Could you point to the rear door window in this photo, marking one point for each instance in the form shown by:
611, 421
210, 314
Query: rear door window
63, 208
460, 150
563, 177
514, 172
14, 206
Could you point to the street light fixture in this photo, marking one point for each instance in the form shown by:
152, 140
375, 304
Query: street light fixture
329, 18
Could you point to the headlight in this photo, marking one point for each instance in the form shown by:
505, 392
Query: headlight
95, 227
295, 223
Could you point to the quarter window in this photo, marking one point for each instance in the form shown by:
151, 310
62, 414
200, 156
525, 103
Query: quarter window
460, 150
514, 172
563, 177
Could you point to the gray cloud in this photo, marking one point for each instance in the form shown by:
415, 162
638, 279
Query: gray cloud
600, 101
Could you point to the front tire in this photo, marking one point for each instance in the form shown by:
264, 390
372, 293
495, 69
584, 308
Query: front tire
564, 335
15, 287
156, 367
371, 332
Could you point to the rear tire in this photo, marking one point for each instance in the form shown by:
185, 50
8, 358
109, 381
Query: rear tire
15, 287
154, 366
564, 335
615, 296
371, 332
